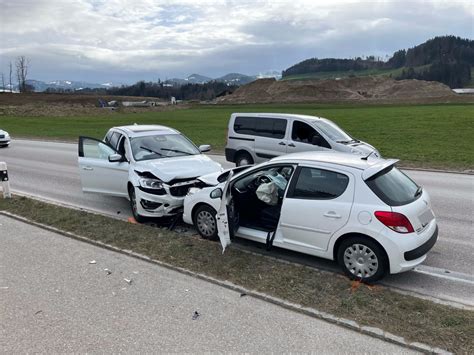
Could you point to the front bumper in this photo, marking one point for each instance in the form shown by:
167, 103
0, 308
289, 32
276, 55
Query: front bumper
5, 141
151, 205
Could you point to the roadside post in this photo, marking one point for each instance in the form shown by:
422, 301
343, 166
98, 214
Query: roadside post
4, 182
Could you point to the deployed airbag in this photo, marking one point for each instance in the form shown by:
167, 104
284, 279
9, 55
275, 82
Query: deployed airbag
268, 193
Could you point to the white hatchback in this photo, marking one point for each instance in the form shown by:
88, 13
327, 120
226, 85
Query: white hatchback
362, 212
153, 166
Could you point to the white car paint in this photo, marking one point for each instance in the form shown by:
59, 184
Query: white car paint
175, 174
316, 227
4, 138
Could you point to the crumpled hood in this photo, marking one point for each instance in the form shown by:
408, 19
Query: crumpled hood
167, 169
211, 179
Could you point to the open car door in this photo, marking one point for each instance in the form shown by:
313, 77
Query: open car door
102, 168
226, 215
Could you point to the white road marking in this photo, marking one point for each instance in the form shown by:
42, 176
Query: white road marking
445, 274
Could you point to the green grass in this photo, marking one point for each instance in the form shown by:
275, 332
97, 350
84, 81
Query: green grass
407, 316
436, 136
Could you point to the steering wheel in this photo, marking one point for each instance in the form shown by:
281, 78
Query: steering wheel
263, 179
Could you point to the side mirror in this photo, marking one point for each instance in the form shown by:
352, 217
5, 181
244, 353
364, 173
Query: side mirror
113, 158
216, 193
204, 148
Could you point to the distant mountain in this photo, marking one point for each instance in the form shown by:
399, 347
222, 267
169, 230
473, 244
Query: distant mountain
447, 59
39, 85
236, 79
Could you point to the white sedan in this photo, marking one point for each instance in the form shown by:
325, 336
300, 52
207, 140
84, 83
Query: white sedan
360, 211
153, 166
4, 138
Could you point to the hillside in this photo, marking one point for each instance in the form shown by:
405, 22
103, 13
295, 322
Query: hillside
446, 59
360, 89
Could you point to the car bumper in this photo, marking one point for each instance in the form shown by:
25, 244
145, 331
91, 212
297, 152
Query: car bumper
4, 141
410, 250
151, 205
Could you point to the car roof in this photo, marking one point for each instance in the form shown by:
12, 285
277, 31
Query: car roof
370, 166
137, 130
279, 115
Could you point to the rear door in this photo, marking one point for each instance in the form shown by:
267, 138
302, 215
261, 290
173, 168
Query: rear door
318, 203
270, 137
97, 173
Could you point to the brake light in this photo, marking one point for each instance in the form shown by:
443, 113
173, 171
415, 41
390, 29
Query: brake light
395, 221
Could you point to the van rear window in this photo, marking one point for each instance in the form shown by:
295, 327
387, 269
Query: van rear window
393, 187
261, 126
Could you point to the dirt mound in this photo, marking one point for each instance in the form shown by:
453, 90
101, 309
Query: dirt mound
348, 89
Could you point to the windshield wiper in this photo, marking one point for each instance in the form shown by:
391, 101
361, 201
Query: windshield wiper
150, 150
418, 192
176, 151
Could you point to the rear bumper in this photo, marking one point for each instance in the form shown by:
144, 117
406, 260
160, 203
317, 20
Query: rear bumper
230, 154
422, 249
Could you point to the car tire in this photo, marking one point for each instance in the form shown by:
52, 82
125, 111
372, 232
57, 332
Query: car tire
133, 205
362, 259
204, 219
243, 158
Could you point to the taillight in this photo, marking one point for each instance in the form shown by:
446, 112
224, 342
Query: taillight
395, 221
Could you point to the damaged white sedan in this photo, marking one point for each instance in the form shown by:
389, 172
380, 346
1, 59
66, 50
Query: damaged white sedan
153, 166
360, 211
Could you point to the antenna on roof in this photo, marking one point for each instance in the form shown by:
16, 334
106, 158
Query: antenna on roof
367, 157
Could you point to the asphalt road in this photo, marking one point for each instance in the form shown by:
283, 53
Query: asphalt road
49, 170
54, 300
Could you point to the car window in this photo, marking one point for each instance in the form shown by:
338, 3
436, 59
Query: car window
108, 136
280, 175
114, 139
303, 132
162, 146
94, 149
313, 183
121, 146
393, 187
261, 126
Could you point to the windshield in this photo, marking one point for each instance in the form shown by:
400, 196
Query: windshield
162, 146
333, 132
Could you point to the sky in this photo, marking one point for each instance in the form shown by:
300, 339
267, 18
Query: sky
123, 41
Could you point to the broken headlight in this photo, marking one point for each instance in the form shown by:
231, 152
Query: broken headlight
153, 184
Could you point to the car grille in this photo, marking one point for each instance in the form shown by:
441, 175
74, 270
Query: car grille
2, 136
181, 189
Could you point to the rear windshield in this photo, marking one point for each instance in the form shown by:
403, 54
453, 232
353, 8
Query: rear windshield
393, 187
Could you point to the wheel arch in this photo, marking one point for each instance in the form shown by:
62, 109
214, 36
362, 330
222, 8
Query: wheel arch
245, 151
196, 206
360, 235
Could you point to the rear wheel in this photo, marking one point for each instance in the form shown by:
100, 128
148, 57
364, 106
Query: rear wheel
243, 158
205, 222
362, 259
133, 205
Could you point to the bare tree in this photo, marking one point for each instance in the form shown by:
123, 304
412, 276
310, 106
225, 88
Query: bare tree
11, 74
22, 72
3, 83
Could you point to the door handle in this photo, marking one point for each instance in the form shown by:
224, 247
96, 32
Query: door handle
88, 168
282, 143
332, 214
291, 145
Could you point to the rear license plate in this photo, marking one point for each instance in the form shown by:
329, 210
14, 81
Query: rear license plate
426, 217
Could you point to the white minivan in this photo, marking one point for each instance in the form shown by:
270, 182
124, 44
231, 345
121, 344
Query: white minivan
257, 137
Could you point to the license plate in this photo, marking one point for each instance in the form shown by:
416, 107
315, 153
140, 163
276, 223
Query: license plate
426, 217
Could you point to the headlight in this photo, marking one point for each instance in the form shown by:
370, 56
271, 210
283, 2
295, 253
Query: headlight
151, 183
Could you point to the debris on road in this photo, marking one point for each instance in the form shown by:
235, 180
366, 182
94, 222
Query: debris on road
243, 294
108, 271
129, 281
196, 315
38, 312
92, 262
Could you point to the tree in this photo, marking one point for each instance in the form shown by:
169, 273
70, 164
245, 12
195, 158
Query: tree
11, 74
3, 83
22, 64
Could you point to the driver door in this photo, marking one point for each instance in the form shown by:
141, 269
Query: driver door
97, 173
302, 135
226, 216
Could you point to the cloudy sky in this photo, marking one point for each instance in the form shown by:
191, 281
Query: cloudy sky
130, 40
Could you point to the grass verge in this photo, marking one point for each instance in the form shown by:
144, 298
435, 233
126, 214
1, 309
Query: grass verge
410, 317
425, 136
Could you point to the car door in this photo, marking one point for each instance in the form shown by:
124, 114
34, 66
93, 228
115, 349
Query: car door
225, 216
318, 203
270, 137
97, 173
304, 138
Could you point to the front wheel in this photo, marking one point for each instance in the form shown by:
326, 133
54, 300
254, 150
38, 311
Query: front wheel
362, 259
133, 205
205, 222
